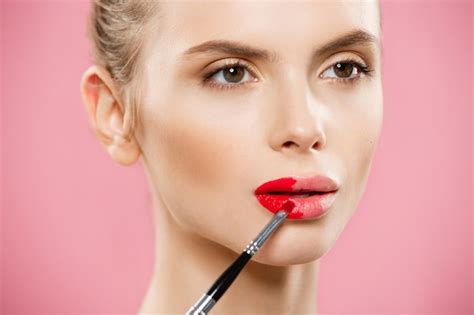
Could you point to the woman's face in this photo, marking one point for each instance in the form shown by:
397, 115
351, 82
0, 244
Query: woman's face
211, 136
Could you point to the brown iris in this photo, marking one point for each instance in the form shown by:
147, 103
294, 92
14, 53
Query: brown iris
234, 74
343, 70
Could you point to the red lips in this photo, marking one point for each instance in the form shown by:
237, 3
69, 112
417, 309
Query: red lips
312, 195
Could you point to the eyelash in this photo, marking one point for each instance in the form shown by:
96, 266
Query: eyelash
361, 67
208, 81
211, 83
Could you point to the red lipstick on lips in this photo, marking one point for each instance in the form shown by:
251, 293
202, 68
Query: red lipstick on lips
312, 196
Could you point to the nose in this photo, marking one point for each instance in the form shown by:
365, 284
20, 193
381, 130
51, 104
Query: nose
298, 127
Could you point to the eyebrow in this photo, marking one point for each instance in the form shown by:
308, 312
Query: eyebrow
356, 37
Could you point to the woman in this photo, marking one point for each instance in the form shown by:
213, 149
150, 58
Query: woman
218, 98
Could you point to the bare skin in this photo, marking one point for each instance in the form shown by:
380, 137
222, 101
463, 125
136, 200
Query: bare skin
204, 149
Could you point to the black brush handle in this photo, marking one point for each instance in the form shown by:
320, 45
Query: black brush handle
228, 276
215, 292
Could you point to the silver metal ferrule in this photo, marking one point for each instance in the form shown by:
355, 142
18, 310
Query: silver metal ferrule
251, 248
202, 306
271, 226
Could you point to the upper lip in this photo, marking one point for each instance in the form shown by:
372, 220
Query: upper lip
317, 183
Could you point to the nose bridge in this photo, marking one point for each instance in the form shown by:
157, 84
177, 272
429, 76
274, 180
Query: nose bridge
298, 125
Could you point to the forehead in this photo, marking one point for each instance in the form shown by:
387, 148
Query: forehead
196, 21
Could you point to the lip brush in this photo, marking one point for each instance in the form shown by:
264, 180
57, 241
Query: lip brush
220, 286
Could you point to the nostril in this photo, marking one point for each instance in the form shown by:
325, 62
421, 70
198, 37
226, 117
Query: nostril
288, 144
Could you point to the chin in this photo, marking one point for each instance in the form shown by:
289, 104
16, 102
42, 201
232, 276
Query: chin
291, 253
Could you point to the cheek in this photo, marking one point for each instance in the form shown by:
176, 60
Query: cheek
197, 152
367, 129
359, 124
205, 148
198, 159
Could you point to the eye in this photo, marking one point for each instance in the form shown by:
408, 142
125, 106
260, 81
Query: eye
345, 70
231, 75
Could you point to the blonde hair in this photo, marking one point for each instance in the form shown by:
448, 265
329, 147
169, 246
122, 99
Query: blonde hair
116, 31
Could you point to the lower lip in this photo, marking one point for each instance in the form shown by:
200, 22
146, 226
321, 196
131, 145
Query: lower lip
310, 207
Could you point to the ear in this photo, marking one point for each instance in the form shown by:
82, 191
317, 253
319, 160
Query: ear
105, 114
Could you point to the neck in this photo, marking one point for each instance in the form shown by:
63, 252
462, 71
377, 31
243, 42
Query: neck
187, 264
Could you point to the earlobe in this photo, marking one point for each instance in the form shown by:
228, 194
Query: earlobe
105, 115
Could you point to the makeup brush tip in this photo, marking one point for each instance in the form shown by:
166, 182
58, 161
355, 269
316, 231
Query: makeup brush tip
288, 206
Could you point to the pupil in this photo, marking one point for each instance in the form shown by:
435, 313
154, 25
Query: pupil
343, 70
234, 74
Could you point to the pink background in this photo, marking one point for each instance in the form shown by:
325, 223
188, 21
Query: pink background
76, 233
